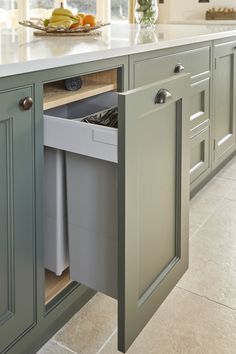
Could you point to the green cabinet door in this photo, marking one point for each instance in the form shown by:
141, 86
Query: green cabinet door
153, 200
16, 217
224, 99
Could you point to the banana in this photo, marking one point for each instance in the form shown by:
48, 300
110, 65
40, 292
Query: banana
56, 18
65, 24
62, 12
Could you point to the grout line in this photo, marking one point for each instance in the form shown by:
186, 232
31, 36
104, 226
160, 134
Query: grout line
227, 178
193, 233
206, 298
64, 347
105, 343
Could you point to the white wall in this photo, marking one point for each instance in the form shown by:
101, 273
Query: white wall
189, 9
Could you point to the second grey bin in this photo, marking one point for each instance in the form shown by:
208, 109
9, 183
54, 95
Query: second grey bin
55, 211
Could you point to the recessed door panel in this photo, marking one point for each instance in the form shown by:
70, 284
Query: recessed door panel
6, 239
224, 106
155, 199
153, 193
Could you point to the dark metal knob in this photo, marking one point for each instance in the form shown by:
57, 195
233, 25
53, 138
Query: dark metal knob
162, 96
26, 103
178, 68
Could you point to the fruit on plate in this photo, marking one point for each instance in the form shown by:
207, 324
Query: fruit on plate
61, 18
64, 18
58, 18
90, 20
81, 14
65, 24
46, 22
60, 11
78, 22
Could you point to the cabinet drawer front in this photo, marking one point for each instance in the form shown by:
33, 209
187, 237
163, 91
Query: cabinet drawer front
195, 62
199, 155
200, 103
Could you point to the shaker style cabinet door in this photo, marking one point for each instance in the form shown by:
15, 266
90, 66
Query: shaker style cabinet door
153, 197
16, 216
224, 98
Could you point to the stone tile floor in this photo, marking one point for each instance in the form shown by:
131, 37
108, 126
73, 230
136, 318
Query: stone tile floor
199, 316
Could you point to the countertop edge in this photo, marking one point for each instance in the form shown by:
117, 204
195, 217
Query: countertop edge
30, 66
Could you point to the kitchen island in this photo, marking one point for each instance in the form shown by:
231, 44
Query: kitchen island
175, 92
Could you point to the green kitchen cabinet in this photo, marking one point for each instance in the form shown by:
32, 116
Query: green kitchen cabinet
224, 91
17, 231
153, 181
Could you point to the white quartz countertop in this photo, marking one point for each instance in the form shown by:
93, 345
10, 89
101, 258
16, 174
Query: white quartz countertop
22, 52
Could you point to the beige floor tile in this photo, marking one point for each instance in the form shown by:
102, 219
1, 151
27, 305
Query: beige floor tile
229, 171
53, 348
206, 201
212, 269
185, 324
91, 326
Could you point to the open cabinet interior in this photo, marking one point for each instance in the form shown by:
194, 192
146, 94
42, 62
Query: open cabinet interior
80, 166
93, 84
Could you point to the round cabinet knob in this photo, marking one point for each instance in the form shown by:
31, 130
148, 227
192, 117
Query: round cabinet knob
178, 68
26, 103
162, 96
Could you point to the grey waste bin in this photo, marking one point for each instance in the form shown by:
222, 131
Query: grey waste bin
92, 222
56, 202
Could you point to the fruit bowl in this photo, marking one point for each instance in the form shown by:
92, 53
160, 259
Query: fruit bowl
39, 25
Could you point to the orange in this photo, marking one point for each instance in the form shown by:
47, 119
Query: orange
82, 15
90, 20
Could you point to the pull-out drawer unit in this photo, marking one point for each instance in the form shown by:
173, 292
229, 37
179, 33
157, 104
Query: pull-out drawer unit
127, 197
